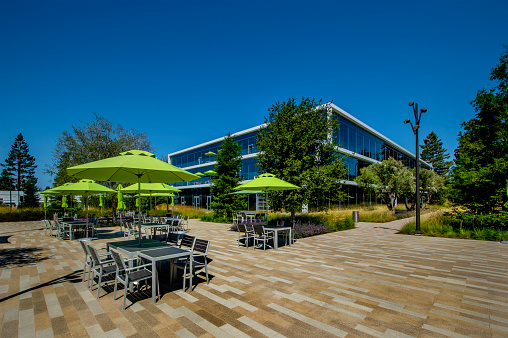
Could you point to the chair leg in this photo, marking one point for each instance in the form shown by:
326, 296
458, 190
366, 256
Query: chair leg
125, 293
116, 286
99, 284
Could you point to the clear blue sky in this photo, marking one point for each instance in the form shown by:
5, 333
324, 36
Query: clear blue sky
186, 72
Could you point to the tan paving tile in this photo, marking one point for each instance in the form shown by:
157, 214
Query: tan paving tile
366, 281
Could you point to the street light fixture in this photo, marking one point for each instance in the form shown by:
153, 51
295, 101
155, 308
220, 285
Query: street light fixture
415, 128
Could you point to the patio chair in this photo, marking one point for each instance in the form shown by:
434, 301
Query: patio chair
133, 231
172, 238
199, 261
235, 218
244, 234
129, 276
261, 236
64, 231
50, 226
102, 265
185, 223
187, 242
88, 262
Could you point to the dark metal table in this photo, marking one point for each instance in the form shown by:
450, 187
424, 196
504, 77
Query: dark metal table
161, 254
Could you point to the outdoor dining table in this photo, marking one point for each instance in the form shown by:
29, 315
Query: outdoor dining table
153, 227
275, 230
132, 247
161, 254
75, 224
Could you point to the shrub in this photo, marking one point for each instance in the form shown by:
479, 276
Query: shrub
308, 229
22, 214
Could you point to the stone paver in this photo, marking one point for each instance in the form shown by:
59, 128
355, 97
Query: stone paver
366, 281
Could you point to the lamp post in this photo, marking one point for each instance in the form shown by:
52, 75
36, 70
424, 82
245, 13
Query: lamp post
415, 132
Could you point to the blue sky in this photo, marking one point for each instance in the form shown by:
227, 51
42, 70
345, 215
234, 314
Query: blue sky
186, 72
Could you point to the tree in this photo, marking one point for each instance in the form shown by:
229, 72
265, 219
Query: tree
92, 141
21, 166
6, 180
434, 153
389, 180
481, 158
297, 145
229, 163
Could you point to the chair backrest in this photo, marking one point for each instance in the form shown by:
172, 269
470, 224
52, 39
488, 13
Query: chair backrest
258, 229
94, 254
186, 218
120, 265
83, 246
201, 247
187, 242
241, 227
172, 238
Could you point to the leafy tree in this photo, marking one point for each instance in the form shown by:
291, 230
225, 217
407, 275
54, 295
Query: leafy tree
434, 153
430, 184
91, 141
481, 158
297, 146
389, 180
21, 166
229, 163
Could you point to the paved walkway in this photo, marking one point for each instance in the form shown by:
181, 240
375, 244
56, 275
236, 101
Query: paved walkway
362, 282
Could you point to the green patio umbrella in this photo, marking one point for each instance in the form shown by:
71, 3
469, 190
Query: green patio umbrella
134, 166
64, 202
267, 182
121, 203
200, 174
211, 153
150, 189
101, 203
85, 188
246, 192
210, 173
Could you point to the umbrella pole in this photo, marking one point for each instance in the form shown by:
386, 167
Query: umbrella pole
87, 216
266, 206
139, 209
151, 214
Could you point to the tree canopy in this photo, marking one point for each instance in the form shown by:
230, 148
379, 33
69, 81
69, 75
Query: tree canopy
434, 153
481, 158
20, 168
297, 146
389, 180
229, 163
91, 141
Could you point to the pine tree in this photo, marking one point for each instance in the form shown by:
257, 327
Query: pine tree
481, 159
229, 163
21, 165
434, 153
6, 181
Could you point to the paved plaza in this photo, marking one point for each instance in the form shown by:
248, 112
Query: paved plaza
364, 282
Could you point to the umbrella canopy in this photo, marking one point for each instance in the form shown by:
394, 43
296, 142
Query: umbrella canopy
199, 174
211, 153
210, 173
84, 187
158, 194
267, 182
147, 188
101, 201
134, 166
246, 192
121, 203
46, 201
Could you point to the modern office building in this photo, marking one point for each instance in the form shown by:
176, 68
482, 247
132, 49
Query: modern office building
360, 144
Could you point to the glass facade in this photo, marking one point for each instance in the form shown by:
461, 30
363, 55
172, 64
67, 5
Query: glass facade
355, 139
197, 156
349, 136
